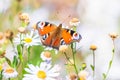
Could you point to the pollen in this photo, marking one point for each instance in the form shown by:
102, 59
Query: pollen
113, 35
21, 29
1, 35
28, 40
63, 48
93, 47
41, 74
74, 20
47, 54
9, 70
73, 76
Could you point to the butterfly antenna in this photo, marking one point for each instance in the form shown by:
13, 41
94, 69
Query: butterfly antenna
63, 21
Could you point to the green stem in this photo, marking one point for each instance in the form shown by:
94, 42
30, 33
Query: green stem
75, 64
1, 76
28, 54
74, 52
110, 64
67, 58
22, 50
93, 64
8, 78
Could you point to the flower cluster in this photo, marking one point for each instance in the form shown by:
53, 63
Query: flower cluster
24, 57
22, 44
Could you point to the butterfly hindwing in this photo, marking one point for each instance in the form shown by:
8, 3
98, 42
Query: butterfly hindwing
70, 36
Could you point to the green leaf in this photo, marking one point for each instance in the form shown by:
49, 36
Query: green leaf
21, 57
15, 62
113, 50
2, 60
83, 66
8, 61
73, 47
35, 52
110, 63
1, 76
29, 54
19, 49
104, 75
19, 52
74, 28
92, 67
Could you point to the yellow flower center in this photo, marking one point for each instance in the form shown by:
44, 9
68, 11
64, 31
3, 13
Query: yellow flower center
74, 20
63, 48
93, 47
1, 35
82, 78
83, 75
1, 67
73, 76
28, 40
41, 74
9, 70
47, 54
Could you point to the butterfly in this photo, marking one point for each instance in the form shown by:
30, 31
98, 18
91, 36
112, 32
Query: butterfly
54, 36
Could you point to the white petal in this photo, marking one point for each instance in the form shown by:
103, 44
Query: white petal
49, 78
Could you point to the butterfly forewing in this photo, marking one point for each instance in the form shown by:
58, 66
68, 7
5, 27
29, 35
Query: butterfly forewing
48, 33
45, 28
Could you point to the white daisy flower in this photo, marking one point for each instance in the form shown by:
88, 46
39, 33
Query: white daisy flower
18, 39
63, 48
31, 39
43, 72
71, 76
50, 48
9, 73
84, 75
46, 56
56, 51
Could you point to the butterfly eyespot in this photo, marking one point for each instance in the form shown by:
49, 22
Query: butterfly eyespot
75, 34
45, 36
62, 42
42, 23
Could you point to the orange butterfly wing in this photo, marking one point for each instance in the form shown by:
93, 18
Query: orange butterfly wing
70, 36
46, 31
54, 36
45, 28
66, 36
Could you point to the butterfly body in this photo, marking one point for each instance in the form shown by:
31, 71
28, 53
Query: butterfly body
54, 36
